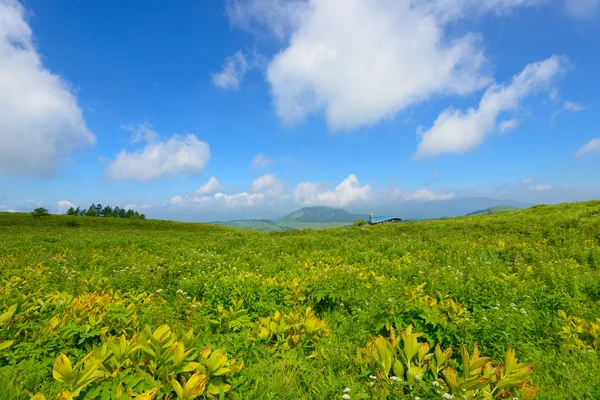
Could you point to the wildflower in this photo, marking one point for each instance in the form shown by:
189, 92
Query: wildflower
496, 308
396, 379
390, 300
372, 377
417, 398
523, 311
447, 396
179, 291
346, 390
346, 396
513, 305
418, 377
159, 291
435, 383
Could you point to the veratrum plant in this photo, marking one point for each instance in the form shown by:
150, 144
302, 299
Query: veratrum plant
155, 364
295, 329
579, 333
408, 362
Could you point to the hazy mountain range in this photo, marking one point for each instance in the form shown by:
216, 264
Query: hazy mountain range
328, 217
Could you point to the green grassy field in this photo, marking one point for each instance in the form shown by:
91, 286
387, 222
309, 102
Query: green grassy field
311, 314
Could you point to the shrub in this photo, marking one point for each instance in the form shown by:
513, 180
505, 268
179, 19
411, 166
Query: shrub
360, 222
40, 212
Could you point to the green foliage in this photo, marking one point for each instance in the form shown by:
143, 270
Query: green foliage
40, 212
295, 307
96, 210
360, 222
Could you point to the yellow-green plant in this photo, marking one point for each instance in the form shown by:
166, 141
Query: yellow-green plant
404, 359
164, 364
286, 330
580, 333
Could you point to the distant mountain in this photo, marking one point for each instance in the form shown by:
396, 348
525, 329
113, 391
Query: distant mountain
262, 225
412, 210
493, 210
321, 214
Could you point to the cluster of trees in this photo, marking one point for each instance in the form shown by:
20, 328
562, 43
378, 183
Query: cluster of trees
96, 210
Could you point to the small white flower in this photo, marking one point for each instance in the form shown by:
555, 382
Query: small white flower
496, 308
390, 300
513, 305
346, 390
346, 396
395, 378
447, 396
159, 291
523, 311
435, 383
418, 377
372, 377
417, 398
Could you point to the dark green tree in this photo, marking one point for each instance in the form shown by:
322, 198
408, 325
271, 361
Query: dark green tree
40, 212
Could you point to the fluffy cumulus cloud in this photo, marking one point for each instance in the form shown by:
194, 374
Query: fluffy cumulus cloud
351, 192
159, 159
261, 161
392, 54
591, 147
455, 131
268, 183
265, 190
347, 192
360, 62
209, 187
525, 181
64, 205
40, 120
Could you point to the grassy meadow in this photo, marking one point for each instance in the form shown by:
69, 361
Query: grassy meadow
100, 308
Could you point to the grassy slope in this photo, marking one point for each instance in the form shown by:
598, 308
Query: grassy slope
492, 210
541, 260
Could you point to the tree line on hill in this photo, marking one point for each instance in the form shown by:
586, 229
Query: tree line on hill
96, 210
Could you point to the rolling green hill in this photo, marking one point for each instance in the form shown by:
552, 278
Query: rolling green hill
321, 214
492, 210
153, 305
304, 218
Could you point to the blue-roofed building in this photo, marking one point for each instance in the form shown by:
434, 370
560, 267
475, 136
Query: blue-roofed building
383, 220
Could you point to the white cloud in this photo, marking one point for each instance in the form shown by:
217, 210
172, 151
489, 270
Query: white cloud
420, 195
40, 120
234, 70
361, 62
220, 201
508, 125
261, 161
581, 8
209, 187
280, 17
7, 209
591, 147
64, 205
350, 192
135, 207
347, 192
575, 107
541, 188
457, 132
267, 189
526, 181
180, 153
268, 183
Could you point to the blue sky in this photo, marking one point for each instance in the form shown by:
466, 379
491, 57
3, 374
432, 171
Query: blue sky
203, 110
